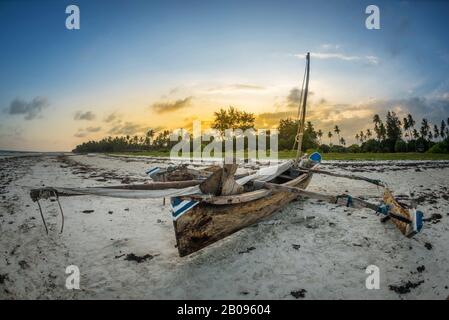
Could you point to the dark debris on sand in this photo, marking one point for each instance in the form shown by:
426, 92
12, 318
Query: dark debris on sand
90, 172
138, 259
434, 218
382, 166
405, 288
247, 250
3, 278
420, 269
301, 293
23, 264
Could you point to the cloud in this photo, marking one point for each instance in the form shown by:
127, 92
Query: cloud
31, 109
88, 116
112, 117
165, 107
327, 46
434, 109
271, 119
80, 134
127, 128
85, 132
354, 117
237, 87
294, 98
93, 129
340, 56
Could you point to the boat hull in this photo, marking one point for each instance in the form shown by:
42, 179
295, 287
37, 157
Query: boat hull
207, 223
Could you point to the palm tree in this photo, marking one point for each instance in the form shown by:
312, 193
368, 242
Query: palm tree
342, 141
406, 126
357, 137
149, 137
442, 129
411, 123
377, 121
382, 131
436, 132
368, 133
362, 136
337, 131
319, 134
329, 135
424, 128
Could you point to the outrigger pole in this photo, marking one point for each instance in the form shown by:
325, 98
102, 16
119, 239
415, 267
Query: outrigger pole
302, 110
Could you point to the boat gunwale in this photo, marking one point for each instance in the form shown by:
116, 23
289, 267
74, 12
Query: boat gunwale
247, 196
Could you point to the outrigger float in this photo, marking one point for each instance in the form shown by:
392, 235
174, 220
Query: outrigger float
210, 204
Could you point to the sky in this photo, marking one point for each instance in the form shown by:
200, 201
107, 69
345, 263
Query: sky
135, 65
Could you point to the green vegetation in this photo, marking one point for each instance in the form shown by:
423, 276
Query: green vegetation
326, 156
389, 139
374, 156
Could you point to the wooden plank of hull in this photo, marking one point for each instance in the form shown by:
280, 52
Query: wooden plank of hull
397, 209
207, 223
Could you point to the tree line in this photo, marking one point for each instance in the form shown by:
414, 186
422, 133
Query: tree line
390, 135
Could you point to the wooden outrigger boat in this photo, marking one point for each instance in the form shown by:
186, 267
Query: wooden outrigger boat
216, 217
211, 204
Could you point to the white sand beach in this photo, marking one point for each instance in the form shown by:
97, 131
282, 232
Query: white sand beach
308, 245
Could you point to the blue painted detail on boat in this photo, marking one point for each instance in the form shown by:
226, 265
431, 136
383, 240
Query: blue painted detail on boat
383, 209
152, 170
418, 220
179, 206
316, 157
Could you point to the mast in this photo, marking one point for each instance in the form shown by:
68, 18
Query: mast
302, 118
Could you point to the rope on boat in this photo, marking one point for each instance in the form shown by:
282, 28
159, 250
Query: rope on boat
298, 136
